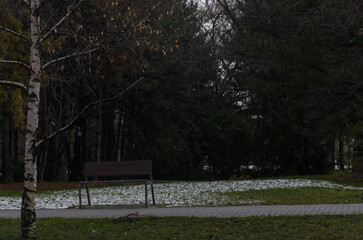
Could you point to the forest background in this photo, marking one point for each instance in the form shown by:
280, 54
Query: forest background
210, 90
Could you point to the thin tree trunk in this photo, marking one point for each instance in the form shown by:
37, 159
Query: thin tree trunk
62, 158
341, 151
108, 134
43, 158
5, 149
331, 152
124, 135
99, 134
357, 165
111, 133
28, 215
118, 133
15, 153
51, 166
84, 149
43, 151
76, 168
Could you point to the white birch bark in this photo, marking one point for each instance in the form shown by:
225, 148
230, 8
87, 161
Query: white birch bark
28, 215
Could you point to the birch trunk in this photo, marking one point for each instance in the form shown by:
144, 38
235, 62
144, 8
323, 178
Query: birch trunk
28, 215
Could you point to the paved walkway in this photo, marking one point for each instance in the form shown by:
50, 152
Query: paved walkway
219, 212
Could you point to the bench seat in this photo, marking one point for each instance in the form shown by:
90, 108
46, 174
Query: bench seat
121, 182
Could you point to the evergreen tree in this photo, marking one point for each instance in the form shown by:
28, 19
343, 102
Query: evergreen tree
288, 56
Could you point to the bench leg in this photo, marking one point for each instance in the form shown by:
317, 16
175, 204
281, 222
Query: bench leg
145, 195
152, 193
89, 201
79, 195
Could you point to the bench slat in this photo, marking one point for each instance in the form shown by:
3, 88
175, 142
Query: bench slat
123, 168
116, 181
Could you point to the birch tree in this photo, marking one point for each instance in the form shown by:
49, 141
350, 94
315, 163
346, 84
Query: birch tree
32, 88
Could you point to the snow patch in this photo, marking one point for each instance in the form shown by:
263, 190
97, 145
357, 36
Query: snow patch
174, 194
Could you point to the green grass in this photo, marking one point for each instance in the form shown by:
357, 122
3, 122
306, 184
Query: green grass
340, 177
304, 195
10, 193
300, 227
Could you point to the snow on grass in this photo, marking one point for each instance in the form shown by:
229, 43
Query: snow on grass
166, 194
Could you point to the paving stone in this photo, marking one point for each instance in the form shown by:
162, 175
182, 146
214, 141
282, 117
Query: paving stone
218, 212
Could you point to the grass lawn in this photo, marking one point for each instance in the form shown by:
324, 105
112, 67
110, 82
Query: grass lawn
340, 177
301, 227
305, 195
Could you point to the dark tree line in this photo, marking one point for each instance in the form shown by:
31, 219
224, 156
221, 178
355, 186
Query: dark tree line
232, 89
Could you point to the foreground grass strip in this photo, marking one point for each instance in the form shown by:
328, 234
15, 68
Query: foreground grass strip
300, 227
304, 195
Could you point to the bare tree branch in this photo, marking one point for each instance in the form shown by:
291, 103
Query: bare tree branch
16, 62
68, 56
70, 9
14, 84
84, 111
227, 9
15, 33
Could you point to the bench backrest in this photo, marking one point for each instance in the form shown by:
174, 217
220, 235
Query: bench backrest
122, 168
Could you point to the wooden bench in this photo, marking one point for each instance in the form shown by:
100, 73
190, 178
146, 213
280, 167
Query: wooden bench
133, 169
